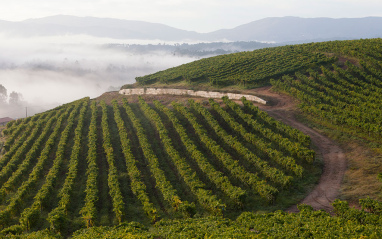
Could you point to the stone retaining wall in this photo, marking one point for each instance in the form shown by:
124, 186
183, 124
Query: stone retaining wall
206, 94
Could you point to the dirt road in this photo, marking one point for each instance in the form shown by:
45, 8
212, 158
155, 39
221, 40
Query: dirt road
283, 108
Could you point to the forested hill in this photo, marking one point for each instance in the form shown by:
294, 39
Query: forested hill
251, 69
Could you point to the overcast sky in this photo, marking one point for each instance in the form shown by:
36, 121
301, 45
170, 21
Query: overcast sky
196, 15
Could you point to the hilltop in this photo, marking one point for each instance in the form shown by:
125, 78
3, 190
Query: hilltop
255, 68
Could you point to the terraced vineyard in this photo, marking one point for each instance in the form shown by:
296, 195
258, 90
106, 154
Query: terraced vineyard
88, 163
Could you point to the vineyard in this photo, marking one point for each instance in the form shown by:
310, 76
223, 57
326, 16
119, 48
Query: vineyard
348, 223
88, 163
343, 95
150, 167
246, 69
338, 83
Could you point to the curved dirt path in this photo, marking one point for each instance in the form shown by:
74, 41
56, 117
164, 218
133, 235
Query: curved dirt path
326, 191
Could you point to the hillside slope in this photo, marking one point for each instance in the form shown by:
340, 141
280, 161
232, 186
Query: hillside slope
88, 163
251, 69
339, 82
340, 96
111, 162
246, 69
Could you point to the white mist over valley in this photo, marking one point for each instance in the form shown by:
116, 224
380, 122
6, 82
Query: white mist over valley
50, 71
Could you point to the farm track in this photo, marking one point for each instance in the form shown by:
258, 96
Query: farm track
283, 108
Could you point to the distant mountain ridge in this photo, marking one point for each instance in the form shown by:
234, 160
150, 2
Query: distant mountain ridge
98, 27
291, 29
273, 29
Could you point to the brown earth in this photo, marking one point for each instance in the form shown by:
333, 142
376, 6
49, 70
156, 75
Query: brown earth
284, 108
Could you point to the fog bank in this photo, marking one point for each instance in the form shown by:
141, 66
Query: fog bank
50, 71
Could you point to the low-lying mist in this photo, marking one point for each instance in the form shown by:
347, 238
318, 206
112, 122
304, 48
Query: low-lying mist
50, 71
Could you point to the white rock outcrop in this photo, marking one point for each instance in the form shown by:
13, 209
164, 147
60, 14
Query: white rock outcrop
205, 94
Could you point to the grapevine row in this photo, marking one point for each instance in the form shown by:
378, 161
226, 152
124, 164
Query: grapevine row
344, 113
336, 90
260, 186
205, 197
14, 125
58, 215
29, 158
89, 210
137, 186
342, 81
245, 68
15, 203
11, 139
220, 180
273, 174
30, 215
9, 154
361, 118
114, 187
298, 150
285, 161
24, 143
165, 187
291, 133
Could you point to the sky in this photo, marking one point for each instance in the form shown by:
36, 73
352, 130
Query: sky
194, 15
